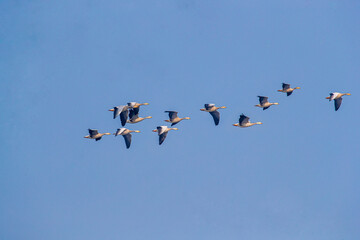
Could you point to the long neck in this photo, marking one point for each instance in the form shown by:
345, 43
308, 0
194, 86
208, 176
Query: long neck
148, 117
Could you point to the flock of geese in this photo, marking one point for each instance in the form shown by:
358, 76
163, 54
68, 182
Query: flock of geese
130, 114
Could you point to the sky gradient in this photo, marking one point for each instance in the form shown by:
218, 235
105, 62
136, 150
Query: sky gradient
64, 64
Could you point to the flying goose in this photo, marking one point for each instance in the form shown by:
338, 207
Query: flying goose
337, 97
126, 133
134, 116
162, 132
121, 110
210, 108
244, 122
287, 89
94, 134
264, 104
173, 118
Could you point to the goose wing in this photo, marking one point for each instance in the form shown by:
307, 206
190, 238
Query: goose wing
333, 96
337, 103
119, 131
243, 119
93, 132
161, 129
172, 114
97, 139
263, 100
118, 110
123, 116
132, 114
127, 138
216, 115
285, 86
289, 93
162, 137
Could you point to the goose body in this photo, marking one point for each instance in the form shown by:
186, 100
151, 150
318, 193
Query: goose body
213, 110
287, 89
94, 134
173, 118
244, 122
264, 103
162, 132
126, 133
337, 97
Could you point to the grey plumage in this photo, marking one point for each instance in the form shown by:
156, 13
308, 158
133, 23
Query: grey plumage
216, 116
337, 103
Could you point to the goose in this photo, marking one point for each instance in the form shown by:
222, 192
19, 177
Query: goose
287, 89
94, 134
337, 97
126, 133
173, 118
210, 108
162, 132
244, 122
121, 110
134, 116
264, 104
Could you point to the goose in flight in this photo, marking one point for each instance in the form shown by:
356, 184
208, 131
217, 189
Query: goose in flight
134, 116
244, 122
173, 118
94, 134
264, 104
162, 132
126, 133
123, 111
337, 97
210, 108
287, 89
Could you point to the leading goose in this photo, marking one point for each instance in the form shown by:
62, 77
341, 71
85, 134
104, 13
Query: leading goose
173, 118
126, 133
162, 132
94, 134
287, 89
244, 121
210, 108
264, 104
337, 97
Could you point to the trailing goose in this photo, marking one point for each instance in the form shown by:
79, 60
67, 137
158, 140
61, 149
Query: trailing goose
94, 134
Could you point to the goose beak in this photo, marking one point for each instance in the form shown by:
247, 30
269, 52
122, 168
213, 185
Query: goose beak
111, 110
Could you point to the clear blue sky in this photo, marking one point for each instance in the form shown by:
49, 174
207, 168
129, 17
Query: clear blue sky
63, 64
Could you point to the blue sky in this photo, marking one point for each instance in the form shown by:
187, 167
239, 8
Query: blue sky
64, 64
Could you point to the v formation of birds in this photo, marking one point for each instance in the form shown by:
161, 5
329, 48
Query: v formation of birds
129, 113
